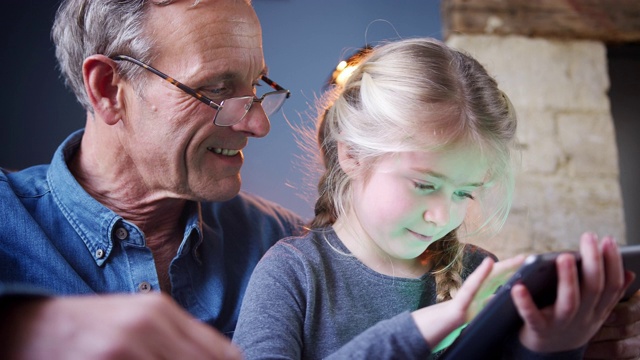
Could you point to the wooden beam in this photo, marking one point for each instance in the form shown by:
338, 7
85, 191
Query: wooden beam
604, 20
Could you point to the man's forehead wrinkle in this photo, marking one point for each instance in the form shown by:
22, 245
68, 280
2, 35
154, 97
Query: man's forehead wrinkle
227, 21
209, 46
224, 73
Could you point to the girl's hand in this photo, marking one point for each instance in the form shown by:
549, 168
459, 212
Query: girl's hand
437, 321
474, 298
581, 307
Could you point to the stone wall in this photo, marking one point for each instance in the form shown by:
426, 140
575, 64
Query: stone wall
567, 180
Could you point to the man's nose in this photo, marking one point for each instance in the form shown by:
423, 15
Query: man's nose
255, 123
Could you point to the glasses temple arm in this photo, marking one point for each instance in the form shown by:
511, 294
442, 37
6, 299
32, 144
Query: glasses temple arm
275, 85
171, 80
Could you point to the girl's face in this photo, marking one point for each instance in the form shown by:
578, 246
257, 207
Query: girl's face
409, 200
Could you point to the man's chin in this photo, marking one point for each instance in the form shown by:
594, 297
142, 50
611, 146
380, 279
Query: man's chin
223, 192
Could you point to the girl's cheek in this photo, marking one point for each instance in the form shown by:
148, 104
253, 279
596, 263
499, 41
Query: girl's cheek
458, 215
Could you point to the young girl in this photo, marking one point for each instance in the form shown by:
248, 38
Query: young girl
417, 133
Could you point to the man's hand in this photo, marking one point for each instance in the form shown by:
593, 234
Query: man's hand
619, 337
149, 326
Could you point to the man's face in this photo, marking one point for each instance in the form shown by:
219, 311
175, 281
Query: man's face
172, 144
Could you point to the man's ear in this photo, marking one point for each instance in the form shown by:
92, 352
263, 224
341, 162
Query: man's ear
103, 86
348, 162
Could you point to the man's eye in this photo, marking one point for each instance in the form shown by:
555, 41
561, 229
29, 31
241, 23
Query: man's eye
215, 92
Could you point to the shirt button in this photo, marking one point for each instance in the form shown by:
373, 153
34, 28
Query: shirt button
121, 233
99, 253
144, 287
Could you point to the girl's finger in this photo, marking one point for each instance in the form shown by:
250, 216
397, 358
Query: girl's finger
474, 282
592, 270
615, 283
568, 299
527, 308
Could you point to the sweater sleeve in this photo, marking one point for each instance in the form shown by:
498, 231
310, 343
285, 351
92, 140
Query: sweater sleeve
271, 320
395, 338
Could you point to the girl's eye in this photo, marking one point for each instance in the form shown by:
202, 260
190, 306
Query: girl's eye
464, 194
423, 186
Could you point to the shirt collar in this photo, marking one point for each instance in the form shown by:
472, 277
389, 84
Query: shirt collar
93, 222
193, 231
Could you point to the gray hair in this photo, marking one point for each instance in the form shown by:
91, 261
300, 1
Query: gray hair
109, 27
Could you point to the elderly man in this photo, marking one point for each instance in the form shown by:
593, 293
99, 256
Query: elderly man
146, 199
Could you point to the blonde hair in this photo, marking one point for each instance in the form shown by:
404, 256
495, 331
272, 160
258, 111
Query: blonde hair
415, 95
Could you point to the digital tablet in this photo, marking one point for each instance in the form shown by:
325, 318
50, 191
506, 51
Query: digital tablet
499, 319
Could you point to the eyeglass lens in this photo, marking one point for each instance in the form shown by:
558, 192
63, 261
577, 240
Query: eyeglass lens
235, 109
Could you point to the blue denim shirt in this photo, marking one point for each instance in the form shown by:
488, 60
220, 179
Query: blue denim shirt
56, 238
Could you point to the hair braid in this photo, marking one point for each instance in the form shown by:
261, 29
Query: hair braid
447, 254
324, 209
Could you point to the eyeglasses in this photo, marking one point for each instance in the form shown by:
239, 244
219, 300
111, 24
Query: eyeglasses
232, 110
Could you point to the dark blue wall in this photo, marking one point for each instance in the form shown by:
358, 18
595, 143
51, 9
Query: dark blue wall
37, 110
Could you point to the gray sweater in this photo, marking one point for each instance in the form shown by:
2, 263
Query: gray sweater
309, 298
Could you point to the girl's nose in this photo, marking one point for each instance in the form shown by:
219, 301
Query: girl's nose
438, 212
